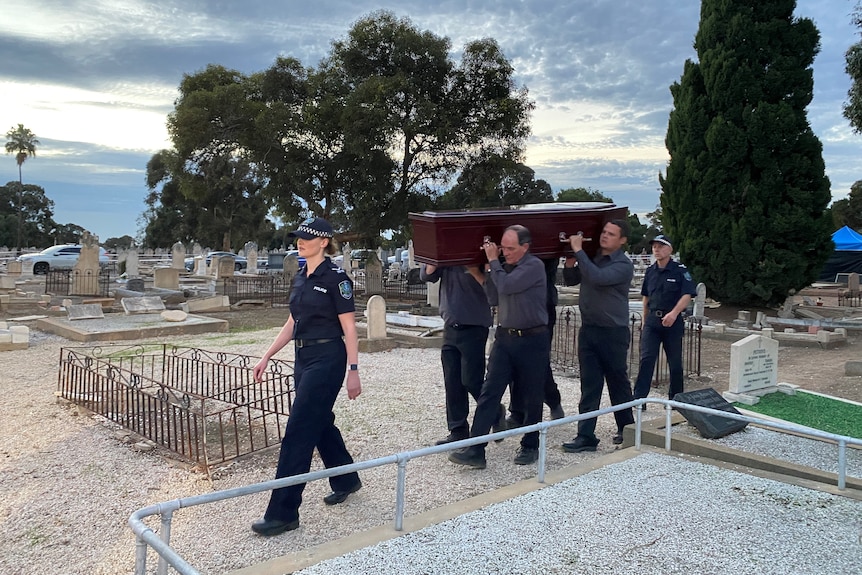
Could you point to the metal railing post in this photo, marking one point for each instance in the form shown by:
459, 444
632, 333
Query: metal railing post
399, 493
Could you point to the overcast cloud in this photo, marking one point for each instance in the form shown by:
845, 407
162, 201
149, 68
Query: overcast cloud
96, 79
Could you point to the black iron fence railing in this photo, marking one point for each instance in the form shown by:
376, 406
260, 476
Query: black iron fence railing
76, 282
564, 348
204, 406
270, 289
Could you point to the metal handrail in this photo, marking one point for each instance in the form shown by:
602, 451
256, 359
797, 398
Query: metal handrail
145, 536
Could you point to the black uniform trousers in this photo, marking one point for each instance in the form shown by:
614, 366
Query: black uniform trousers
319, 374
521, 360
463, 359
654, 334
602, 355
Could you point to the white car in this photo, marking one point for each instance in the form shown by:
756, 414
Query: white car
59, 257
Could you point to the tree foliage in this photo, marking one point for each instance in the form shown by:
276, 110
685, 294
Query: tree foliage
745, 191
495, 182
582, 195
38, 227
376, 130
853, 67
848, 211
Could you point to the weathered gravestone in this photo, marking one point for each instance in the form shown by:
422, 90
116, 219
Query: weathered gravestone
136, 284
85, 273
710, 426
166, 278
178, 256
376, 317
753, 369
251, 258
373, 275
145, 304
85, 311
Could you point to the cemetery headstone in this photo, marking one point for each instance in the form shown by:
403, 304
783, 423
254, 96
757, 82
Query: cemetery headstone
166, 278
178, 256
136, 284
85, 311
251, 258
373, 275
14, 268
753, 365
85, 273
224, 266
132, 270
200, 266
709, 425
144, 304
700, 301
853, 283
376, 317
433, 294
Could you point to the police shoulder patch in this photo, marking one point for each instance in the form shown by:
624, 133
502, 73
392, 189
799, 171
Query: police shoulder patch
345, 289
687, 276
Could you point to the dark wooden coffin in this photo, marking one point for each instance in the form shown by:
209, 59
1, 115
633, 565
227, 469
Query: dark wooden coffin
455, 237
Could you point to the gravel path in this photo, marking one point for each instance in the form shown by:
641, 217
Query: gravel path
68, 483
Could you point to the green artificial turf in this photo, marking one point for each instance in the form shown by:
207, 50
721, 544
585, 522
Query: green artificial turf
811, 410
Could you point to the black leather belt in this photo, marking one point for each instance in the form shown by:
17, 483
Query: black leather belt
522, 332
308, 342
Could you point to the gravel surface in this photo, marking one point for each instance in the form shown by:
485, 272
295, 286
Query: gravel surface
684, 517
68, 482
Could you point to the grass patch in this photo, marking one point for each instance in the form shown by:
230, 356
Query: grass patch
811, 410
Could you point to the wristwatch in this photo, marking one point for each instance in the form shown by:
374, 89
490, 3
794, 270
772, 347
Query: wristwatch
354, 367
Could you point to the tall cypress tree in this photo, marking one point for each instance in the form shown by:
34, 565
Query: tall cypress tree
745, 192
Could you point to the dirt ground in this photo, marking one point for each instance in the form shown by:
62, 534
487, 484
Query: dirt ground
812, 368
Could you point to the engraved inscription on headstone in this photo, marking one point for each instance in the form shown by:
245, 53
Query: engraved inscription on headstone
85, 311
753, 365
145, 304
710, 426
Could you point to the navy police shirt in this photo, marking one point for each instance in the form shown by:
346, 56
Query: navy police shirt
317, 300
664, 286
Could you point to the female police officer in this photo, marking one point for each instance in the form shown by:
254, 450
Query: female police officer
321, 312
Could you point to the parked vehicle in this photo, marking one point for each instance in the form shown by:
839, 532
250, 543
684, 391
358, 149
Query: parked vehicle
404, 260
360, 257
63, 256
240, 263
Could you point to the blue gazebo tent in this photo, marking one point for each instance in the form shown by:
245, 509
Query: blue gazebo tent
847, 257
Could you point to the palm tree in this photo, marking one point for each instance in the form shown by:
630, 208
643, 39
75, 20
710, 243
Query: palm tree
21, 142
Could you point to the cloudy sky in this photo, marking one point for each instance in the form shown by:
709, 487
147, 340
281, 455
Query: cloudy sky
96, 79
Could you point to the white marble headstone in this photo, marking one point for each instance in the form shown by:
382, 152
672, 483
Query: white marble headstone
753, 365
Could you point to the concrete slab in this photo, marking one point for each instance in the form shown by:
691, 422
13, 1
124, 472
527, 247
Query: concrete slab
119, 327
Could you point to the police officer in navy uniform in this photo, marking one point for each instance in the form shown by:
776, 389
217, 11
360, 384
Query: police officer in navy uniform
322, 327
667, 290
